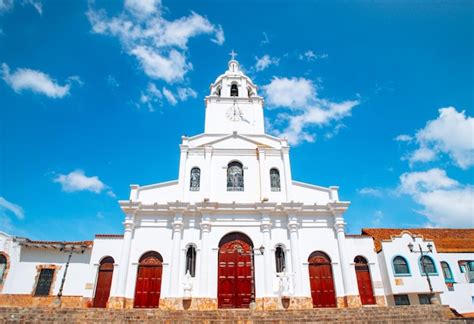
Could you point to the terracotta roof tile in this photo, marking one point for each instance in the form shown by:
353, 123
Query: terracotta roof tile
446, 240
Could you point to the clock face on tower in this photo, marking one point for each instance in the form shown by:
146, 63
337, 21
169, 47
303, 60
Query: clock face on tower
233, 113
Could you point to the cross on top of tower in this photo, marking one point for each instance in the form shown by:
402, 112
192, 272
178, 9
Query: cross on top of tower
233, 54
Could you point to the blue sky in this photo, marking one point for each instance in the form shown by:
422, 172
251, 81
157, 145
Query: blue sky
93, 93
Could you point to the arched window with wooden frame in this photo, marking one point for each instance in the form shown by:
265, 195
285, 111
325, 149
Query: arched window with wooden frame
104, 282
275, 179
400, 266
195, 179
447, 273
235, 176
427, 265
3, 268
191, 261
280, 260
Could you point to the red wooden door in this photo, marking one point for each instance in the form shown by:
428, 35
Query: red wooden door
148, 286
104, 281
235, 288
321, 280
364, 282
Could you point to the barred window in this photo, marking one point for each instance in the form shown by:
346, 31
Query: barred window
45, 279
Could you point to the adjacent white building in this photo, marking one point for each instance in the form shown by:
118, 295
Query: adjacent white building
233, 231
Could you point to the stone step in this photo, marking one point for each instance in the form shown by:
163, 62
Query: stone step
404, 314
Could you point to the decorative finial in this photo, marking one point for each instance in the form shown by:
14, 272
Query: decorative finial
233, 54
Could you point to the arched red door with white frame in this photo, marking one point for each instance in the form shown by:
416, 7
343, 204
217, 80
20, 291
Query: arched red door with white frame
104, 282
148, 285
364, 281
321, 280
235, 287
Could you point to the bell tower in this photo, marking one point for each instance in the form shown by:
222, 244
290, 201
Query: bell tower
233, 104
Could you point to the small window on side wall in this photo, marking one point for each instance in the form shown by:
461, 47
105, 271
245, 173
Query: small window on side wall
401, 300
275, 179
45, 279
448, 275
424, 299
427, 265
3, 268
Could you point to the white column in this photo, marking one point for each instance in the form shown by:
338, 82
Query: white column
205, 248
124, 264
175, 274
295, 256
286, 162
267, 257
345, 266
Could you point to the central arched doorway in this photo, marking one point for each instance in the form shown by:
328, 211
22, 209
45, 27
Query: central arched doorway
148, 286
364, 282
104, 282
235, 287
321, 280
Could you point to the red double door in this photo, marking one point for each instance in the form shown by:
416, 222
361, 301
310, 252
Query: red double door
321, 280
235, 288
104, 282
148, 286
364, 283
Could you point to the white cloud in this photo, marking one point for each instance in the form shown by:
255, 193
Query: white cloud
78, 181
158, 44
303, 108
294, 93
185, 93
26, 79
377, 218
452, 133
112, 82
7, 5
444, 201
265, 40
312, 56
264, 62
7, 206
151, 96
169, 96
367, 191
403, 138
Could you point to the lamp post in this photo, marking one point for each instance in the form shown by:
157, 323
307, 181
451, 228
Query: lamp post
433, 299
63, 280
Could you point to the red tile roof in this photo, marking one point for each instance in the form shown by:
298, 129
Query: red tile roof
446, 240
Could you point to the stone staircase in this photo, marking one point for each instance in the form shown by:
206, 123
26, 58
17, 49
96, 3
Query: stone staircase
401, 314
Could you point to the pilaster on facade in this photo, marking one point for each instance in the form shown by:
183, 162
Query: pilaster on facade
266, 227
285, 151
204, 273
296, 264
124, 264
175, 255
183, 158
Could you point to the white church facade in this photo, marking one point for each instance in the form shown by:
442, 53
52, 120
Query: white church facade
236, 231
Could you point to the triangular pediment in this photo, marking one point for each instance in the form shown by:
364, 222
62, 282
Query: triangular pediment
239, 141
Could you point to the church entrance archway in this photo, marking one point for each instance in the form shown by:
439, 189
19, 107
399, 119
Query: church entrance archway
321, 280
104, 282
235, 287
148, 286
364, 281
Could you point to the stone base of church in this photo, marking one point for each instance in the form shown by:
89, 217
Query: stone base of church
120, 303
381, 300
188, 304
23, 300
275, 303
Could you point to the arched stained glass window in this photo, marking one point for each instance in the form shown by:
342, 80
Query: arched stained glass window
275, 179
280, 259
195, 182
234, 90
191, 261
235, 176
400, 265
427, 265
